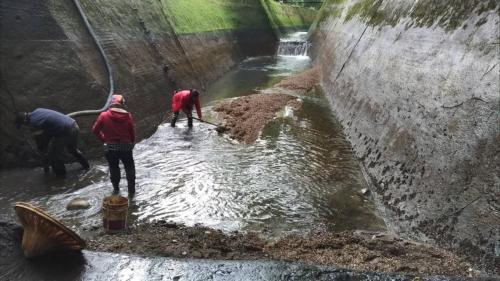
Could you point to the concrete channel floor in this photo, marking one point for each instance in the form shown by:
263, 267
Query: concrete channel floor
107, 266
89, 265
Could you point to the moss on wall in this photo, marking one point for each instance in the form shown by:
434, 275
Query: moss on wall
283, 15
449, 14
195, 16
191, 16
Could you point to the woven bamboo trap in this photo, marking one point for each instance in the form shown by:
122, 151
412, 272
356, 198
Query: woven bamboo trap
43, 234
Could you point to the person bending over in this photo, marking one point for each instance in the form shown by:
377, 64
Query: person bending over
115, 127
53, 132
185, 100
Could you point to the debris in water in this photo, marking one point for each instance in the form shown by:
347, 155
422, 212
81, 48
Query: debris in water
78, 204
369, 251
246, 116
221, 129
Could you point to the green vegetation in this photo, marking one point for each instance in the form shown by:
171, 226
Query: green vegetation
316, 4
332, 8
283, 15
448, 14
191, 16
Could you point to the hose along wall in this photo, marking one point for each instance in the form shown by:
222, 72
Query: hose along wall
106, 63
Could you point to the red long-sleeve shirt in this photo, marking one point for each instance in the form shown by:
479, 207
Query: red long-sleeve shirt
114, 126
182, 100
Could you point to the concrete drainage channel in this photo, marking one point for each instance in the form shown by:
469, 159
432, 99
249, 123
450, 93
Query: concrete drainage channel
93, 265
107, 266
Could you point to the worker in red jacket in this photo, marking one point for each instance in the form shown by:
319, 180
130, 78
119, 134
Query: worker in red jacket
115, 127
185, 99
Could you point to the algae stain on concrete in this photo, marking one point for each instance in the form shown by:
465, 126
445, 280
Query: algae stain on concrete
449, 14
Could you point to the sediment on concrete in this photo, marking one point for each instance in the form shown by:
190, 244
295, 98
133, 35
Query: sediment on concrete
415, 85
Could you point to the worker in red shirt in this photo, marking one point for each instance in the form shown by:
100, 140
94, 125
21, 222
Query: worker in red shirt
185, 99
115, 127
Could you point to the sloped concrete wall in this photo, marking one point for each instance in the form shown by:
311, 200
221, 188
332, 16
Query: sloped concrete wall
416, 87
49, 60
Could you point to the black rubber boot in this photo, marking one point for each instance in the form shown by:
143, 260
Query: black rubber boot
190, 122
130, 172
58, 168
174, 119
81, 159
131, 187
116, 187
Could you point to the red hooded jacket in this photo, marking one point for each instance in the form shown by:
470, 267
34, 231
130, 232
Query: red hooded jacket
115, 126
182, 100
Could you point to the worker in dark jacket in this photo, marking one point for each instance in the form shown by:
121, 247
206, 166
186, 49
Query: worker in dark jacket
115, 127
53, 131
185, 100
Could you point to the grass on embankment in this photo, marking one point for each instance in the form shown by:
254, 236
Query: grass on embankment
283, 15
192, 16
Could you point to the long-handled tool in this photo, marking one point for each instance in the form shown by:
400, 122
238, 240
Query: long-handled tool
220, 128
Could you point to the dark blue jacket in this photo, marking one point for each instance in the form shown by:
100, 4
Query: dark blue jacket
53, 123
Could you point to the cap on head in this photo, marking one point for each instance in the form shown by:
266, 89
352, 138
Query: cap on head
194, 93
117, 101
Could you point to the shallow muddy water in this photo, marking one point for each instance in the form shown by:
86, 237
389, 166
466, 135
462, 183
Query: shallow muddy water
299, 175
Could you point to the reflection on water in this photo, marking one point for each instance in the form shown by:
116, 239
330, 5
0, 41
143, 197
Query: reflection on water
107, 266
255, 73
299, 175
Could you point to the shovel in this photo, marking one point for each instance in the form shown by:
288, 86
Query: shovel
219, 128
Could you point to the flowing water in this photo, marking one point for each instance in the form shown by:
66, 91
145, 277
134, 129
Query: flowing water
294, 45
298, 176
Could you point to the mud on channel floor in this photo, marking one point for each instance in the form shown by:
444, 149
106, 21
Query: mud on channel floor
245, 117
366, 251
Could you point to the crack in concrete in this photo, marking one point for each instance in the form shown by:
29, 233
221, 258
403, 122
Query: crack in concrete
489, 70
457, 212
352, 51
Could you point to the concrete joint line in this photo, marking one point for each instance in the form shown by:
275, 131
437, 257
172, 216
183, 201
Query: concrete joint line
489, 70
350, 54
460, 104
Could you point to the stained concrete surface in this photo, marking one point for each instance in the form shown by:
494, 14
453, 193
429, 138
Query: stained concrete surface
107, 266
419, 102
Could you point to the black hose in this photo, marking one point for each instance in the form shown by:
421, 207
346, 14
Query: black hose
106, 63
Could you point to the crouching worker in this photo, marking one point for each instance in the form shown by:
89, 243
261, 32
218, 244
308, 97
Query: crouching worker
115, 127
185, 99
53, 132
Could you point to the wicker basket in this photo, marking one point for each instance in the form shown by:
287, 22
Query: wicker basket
43, 234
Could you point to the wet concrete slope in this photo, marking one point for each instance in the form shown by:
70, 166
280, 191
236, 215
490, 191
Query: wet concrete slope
107, 266
416, 87
49, 60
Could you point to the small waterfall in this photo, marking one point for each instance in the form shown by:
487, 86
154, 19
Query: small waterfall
295, 45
